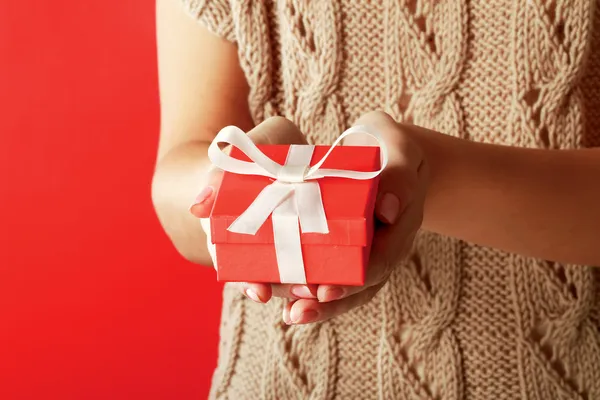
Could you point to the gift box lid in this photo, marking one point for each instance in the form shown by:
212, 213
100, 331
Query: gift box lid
348, 203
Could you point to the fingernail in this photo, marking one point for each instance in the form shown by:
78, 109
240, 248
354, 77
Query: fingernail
302, 292
334, 294
286, 315
305, 316
389, 208
253, 295
204, 195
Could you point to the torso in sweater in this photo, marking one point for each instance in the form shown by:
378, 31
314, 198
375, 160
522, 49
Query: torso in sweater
455, 320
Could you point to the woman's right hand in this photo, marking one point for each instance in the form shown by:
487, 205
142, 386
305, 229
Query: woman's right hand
275, 130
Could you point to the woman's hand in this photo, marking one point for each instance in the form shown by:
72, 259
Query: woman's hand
276, 130
399, 208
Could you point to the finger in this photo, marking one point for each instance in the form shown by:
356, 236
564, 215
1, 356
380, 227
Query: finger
294, 291
390, 244
205, 200
257, 292
286, 312
263, 292
307, 311
277, 130
378, 272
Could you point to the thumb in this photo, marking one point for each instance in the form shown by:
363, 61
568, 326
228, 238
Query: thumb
277, 130
399, 179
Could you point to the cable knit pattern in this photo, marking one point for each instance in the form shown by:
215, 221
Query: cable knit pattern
455, 320
547, 59
310, 66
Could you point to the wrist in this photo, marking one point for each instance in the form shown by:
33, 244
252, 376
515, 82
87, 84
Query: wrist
442, 154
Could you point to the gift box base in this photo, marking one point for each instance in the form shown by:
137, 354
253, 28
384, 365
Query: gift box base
334, 265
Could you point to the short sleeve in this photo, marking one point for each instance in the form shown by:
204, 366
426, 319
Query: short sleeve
215, 15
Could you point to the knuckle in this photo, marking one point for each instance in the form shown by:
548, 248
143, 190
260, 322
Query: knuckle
277, 120
383, 121
378, 115
281, 123
278, 129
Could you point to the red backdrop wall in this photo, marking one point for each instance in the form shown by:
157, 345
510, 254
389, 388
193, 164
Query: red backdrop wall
94, 301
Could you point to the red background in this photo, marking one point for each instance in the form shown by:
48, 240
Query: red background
94, 301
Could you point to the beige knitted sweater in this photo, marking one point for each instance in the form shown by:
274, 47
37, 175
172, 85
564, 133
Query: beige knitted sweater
455, 320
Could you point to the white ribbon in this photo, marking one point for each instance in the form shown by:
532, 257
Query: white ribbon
294, 196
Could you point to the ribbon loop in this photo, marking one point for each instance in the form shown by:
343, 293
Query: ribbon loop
261, 165
316, 172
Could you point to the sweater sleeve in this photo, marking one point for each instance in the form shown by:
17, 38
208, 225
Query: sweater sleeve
215, 15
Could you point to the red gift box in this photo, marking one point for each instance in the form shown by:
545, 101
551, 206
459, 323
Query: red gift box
338, 257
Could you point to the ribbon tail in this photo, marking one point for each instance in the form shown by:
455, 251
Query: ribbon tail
310, 208
212, 249
288, 247
260, 209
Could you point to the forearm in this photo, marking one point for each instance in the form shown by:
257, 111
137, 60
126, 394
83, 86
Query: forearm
179, 177
539, 203
202, 89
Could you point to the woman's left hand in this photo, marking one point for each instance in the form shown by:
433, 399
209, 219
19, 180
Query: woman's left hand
399, 208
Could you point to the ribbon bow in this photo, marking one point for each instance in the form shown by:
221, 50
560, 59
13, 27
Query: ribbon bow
293, 196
